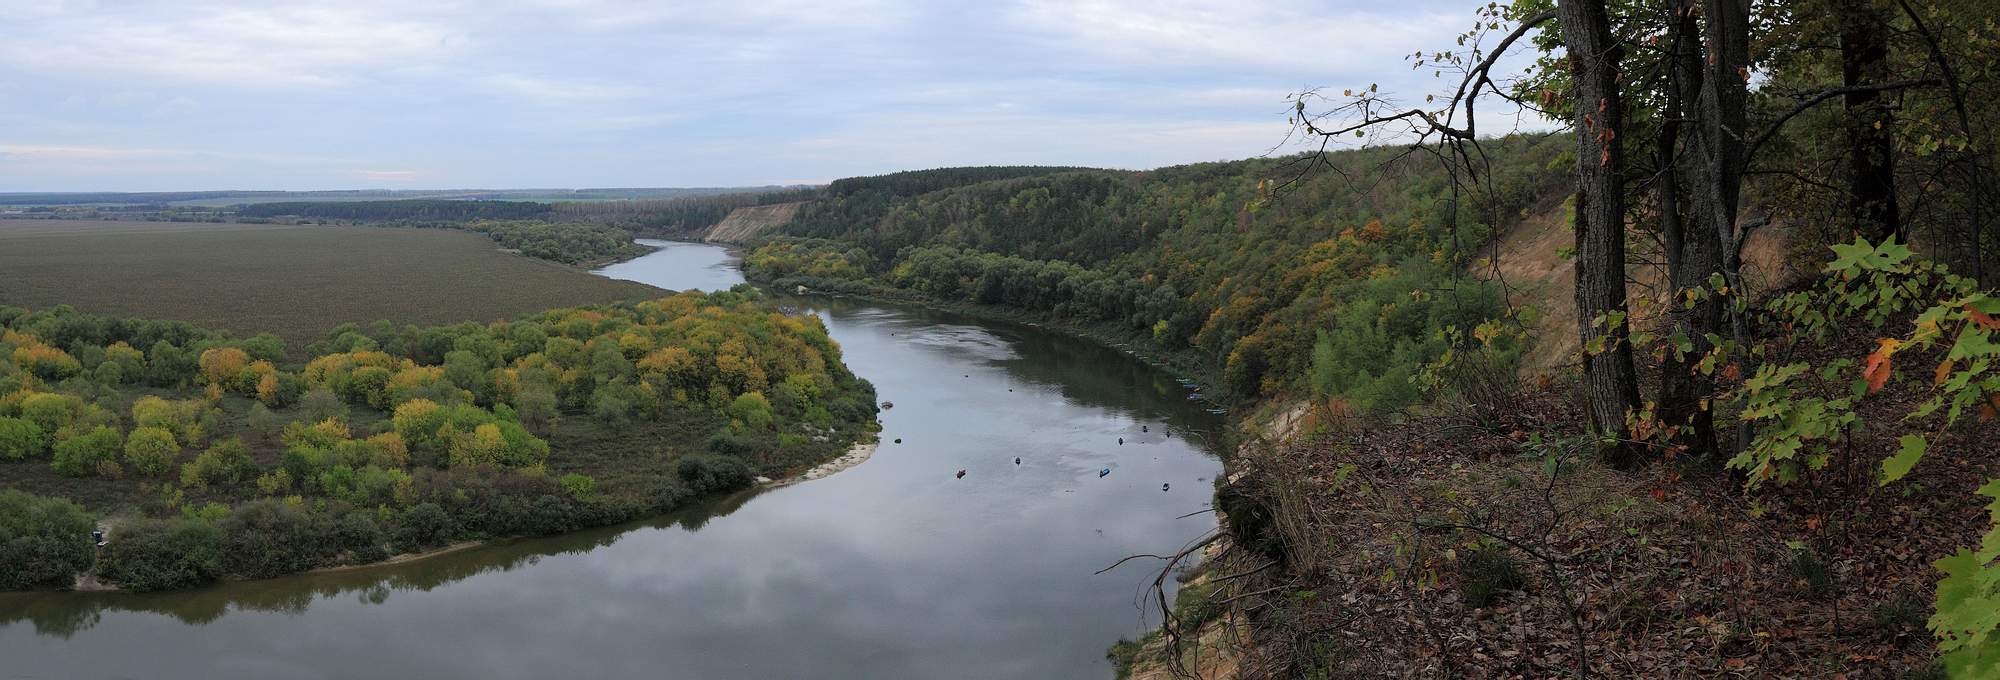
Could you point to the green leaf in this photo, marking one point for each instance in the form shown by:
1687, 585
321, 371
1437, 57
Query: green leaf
1912, 450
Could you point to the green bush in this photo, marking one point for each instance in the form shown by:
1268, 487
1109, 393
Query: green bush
580, 487
148, 555
266, 538
20, 439
79, 455
51, 411
424, 525
223, 465
44, 542
709, 474
151, 451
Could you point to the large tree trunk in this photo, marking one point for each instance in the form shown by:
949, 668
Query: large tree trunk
1725, 90
1693, 258
1871, 152
1611, 386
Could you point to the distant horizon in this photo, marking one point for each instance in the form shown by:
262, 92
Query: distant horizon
319, 95
719, 187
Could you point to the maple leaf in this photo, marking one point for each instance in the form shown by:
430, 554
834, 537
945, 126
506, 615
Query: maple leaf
1877, 369
1943, 373
1982, 318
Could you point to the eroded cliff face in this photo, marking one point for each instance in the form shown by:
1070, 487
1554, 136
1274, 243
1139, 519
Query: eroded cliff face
748, 222
1533, 261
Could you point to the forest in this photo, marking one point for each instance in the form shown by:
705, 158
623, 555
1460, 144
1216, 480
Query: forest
408, 210
678, 217
215, 457
1782, 479
1336, 289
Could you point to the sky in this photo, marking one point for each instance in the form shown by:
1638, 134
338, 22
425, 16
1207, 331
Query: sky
135, 95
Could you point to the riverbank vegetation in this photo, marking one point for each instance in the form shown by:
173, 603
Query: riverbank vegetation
1723, 480
215, 457
1778, 477
1339, 289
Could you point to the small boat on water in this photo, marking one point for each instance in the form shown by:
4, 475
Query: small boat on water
1104, 472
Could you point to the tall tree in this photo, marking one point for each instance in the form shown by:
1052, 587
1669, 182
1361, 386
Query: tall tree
1870, 122
1611, 384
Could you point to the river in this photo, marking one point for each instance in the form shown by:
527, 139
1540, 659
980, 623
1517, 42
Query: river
893, 569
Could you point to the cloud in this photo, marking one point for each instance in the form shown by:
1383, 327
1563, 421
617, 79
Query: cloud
250, 46
184, 94
556, 91
43, 152
1211, 33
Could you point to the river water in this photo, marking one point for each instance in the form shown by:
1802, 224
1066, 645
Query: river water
892, 569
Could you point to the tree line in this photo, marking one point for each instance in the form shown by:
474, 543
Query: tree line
387, 439
1195, 263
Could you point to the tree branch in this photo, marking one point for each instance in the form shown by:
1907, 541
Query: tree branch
1822, 96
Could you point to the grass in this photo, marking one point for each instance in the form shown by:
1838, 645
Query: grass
294, 281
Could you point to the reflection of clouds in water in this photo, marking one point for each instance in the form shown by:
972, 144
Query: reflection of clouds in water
905, 328
967, 340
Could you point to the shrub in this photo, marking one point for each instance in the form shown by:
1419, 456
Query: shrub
708, 474
424, 525
263, 421
79, 455
151, 555
1488, 572
580, 487
50, 411
729, 444
224, 464
20, 439
44, 542
321, 404
150, 451
274, 482
266, 538
174, 416
753, 409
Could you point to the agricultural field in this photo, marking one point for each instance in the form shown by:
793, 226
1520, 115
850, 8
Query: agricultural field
296, 281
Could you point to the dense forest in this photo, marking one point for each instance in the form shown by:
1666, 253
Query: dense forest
407, 210
577, 244
1724, 479
1341, 284
675, 217
214, 457
1350, 289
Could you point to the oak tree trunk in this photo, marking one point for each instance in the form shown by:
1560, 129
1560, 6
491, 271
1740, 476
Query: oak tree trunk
1610, 384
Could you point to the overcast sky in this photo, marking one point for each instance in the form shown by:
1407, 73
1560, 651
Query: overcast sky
184, 95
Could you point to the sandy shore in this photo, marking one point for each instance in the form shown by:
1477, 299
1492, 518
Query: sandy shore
854, 456
404, 558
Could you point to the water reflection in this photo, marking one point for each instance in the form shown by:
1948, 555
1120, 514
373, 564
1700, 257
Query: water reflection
63, 615
894, 569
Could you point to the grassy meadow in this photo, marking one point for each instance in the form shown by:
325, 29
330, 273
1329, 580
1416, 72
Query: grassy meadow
294, 281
